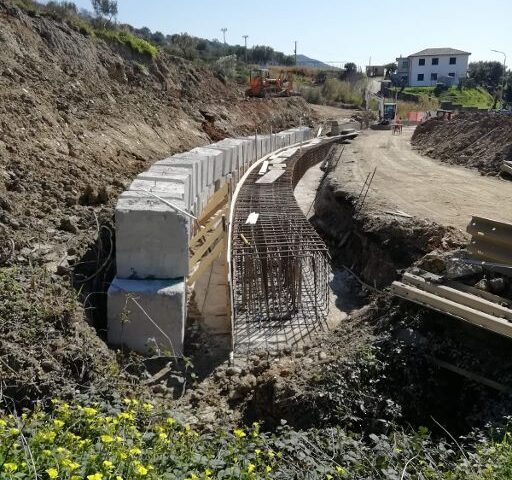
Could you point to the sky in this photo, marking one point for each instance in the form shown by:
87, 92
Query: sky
336, 31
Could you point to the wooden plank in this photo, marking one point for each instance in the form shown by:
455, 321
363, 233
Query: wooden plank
220, 197
210, 239
198, 238
206, 262
271, 176
472, 376
263, 168
479, 293
463, 298
443, 305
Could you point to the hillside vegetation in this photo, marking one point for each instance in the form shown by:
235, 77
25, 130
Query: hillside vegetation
467, 97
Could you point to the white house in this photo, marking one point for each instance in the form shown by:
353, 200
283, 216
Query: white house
433, 65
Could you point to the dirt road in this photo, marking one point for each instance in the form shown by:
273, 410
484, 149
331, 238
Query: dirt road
418, 185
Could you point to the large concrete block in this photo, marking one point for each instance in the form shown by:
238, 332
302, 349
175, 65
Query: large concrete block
194, 164
215, 159
151, 239
161, 180
228, 158
242, 155
147, 316
165, 189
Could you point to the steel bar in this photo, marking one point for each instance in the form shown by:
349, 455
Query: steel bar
280, 273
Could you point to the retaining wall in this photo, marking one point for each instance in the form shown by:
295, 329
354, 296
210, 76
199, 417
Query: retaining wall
147, 299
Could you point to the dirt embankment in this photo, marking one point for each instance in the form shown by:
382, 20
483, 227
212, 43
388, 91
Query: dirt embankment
79, 118
476, 140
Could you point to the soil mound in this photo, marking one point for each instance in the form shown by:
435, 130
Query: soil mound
477, 140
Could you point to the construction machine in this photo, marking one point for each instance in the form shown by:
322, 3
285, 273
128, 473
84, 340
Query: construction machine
261, 85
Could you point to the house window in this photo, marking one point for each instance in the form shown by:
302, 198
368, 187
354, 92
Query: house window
453, 60
433, 76
405, 64
451, 74
435, 61
421, 61
421, 77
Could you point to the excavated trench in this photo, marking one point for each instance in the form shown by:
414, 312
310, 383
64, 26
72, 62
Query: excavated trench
381, 367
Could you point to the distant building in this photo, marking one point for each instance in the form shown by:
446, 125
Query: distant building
432, 66
375, 70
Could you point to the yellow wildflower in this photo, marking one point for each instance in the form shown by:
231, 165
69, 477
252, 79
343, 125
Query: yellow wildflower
329, 476
108, 465
69, 464
340, 470
96, 476
239, 433
141, 470
270, 454
251, 467
10, 467
3, 423
52, 472
58, 423
148, 407
118, 477
171, 421
268, 468
135, 451
90, 412
106, 439
162, 436
14, 431
257, 451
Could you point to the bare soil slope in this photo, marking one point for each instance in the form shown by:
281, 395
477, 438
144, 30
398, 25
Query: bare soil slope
477, 140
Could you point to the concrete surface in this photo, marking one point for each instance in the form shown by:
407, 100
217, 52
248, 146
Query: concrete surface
147, 316
151, 240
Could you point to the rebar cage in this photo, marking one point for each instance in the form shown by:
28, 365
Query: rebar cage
280, 265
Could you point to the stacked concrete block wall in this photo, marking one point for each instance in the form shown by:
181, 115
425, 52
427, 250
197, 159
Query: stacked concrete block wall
147, 299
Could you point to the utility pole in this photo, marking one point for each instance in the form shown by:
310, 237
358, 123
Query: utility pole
224, 30
295, 52
245, 38
504, 74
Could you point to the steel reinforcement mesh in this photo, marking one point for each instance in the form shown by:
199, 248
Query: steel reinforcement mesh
280, 265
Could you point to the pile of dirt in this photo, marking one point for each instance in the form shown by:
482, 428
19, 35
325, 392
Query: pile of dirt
80, 117
477, 140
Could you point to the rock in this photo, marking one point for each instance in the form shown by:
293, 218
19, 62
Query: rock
497, 285
68, 225
322, 356
483, 284
232, 371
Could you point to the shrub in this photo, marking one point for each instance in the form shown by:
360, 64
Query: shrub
136, 44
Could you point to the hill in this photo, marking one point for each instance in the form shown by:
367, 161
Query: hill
312, 63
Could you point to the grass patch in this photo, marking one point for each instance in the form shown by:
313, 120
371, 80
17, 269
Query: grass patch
137, 44
467, 97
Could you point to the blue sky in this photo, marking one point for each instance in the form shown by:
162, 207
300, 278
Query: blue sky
336, 31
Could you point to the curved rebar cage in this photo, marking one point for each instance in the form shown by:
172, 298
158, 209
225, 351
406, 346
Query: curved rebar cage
280, 265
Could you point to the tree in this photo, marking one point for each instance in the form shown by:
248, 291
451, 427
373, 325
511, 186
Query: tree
486, 74
350, 68
389, 69
105, 8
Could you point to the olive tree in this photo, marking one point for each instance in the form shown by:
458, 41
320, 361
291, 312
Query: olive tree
105, 8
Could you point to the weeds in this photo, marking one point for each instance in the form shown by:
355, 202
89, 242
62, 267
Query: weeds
125, 38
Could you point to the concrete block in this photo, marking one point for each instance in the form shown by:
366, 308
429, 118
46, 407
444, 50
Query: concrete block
216, 161
192, 163
228, 158
205, 157
171, 172
244, 149
131, 302
151, 239
166, 189
161, 180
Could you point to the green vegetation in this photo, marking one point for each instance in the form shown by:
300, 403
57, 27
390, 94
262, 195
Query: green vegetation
467, 97
135, 440
125, 38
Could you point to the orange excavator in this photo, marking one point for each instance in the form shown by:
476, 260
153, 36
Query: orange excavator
262, 86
